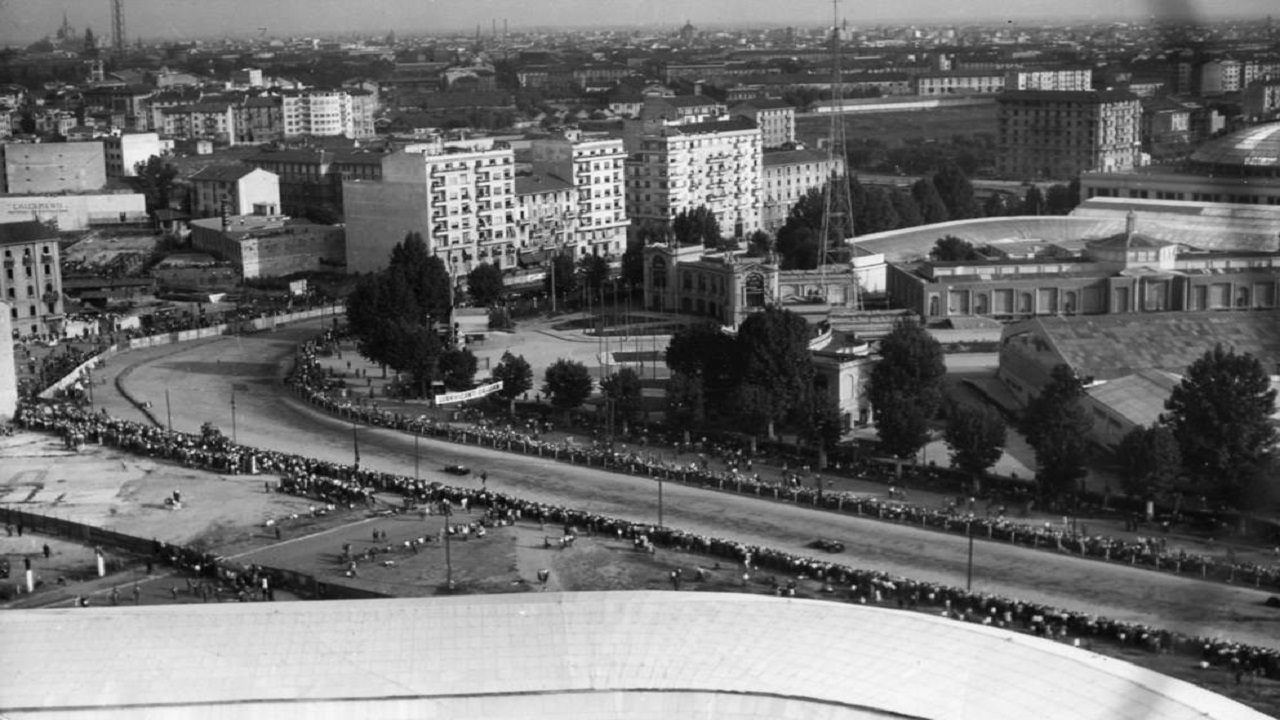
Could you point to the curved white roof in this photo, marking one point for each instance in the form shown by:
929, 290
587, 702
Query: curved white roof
569, 655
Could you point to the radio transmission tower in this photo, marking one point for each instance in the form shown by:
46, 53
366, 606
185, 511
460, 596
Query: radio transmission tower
117, 26
837, 210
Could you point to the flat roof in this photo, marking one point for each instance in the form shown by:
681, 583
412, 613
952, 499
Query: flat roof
563, 655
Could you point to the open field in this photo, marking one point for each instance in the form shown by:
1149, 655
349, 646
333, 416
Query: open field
892, 128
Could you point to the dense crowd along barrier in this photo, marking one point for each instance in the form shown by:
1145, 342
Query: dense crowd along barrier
340, 484
310, 382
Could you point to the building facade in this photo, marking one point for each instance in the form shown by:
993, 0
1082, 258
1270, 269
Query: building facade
459, 196
681, 167
31, 278
959, 82
775, 118
124, 152
328, 113
1058, 135
36, 168
1054, 79
1125, 273
786, 175
215, 121
264, 246
311, 180
232, 190
596, 169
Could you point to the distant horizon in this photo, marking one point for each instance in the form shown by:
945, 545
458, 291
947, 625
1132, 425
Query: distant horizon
189, 20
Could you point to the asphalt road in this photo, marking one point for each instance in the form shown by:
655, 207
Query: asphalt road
200, 379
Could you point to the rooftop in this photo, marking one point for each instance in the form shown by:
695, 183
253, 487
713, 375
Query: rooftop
222, 173
1258, 146
1139, 397
564, 655
27, 231
1107, 347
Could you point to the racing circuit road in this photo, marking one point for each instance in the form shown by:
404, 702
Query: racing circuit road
200, 378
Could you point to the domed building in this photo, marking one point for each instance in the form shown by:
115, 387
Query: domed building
1253, 152
1243, 167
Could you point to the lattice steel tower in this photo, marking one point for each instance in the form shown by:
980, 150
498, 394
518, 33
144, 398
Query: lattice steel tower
117, 26
837, 210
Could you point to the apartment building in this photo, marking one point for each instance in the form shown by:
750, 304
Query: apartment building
596, 169
1058, 135
205, 120
31, 279
786, 175
959, 82
311, 180
328, 113
775, 118
680, 167
460, 196
1056, 79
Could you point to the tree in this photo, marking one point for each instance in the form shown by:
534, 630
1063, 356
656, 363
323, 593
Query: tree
567, 384
564, 272
593, 272
1151, 459
956, 192
428, 286
484, 284
932, 209
633, 264
625, 390
905, 206
822, 424
1220, 416
906, 387
698, 226
1062, 199
877, 213
685, 405
415, 350
155, 179
773, 351
457, 368
1033, 201
704, 353
950, 248
516, 376
976, 436
1057, 427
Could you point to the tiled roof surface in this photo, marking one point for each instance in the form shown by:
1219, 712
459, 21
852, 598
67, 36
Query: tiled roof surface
25, 231
223, 173
1111, 346
1139, 397
563, 655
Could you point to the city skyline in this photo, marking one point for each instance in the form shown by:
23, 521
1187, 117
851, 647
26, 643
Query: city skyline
25, 23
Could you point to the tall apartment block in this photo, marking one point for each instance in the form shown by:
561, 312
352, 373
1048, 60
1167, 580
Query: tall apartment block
1058, 135
459, 196
678, 167
31, 278
596, 168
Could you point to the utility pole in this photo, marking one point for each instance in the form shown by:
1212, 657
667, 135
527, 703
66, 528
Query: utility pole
355, 441
168, 409
447, 511
660, 501
968, 582
233, 416
415, 456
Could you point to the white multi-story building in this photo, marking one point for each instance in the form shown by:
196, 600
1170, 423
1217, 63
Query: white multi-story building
232, 190
679, 167
1065, 79
210, 121
328, 113
1058, 135
787, 175
775, 118
596, 169
124, 152
459, 196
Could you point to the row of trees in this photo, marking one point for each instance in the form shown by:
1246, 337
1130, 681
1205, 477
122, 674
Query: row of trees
399, 315
759, 380
1216, 433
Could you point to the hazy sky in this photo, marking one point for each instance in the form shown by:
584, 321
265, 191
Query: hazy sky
24, 21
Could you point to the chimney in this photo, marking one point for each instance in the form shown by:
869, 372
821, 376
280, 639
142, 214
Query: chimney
1130, 222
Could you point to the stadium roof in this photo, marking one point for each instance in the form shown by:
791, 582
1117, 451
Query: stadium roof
1138, 398
563, 655
1258, 146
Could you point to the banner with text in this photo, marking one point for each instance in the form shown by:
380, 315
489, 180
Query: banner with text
464, 395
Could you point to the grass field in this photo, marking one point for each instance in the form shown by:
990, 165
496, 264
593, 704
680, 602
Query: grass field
892, 128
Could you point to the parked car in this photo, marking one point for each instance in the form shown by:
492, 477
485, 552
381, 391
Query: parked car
457, 469
831, 546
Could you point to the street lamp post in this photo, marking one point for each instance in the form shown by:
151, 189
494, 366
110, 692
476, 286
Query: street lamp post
415, 456
355, 442
660, 501
447, 511
233, 417
968, 582
168, 409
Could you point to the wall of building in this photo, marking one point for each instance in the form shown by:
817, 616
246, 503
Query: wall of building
34, 168
76, 212
379, 215
31, 281
123, 153
299, 248
8, 367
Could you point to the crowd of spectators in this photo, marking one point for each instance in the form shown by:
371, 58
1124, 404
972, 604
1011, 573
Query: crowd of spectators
313, 383
347, 485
